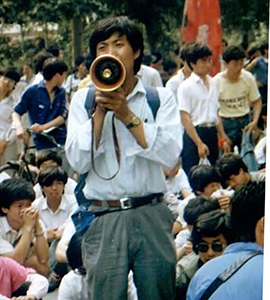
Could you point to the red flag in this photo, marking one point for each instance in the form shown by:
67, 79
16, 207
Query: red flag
204, 26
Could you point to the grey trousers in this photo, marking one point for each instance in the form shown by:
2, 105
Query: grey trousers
138, 239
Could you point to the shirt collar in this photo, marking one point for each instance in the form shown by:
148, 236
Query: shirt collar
139, 88
6, 227
42, 85
62, 206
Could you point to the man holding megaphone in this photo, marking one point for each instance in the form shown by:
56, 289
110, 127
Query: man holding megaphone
123, 147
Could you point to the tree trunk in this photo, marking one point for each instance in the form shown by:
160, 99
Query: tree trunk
77, 37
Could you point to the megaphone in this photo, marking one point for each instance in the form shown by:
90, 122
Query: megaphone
107, 73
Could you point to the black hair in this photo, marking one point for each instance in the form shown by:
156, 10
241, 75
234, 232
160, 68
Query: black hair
212, 224
263, 47
39, 59
202, 175
169, 65
184, 49
79, 60
15, 189
124, 26
74, 252
12, 73
51, 173
247, 208
252, 51
54, 50
228, 165
198, 206
195, 52
233, 53
53, 66
48, 154
155, 57
88, 61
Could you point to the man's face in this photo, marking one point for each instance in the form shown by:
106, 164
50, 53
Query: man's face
235, 66
202, 66
237, 181
211, 188
120, 47
54, 191
15, 212
211, 247
7, 85
82, 68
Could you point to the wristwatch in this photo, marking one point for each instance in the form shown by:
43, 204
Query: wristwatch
134, 122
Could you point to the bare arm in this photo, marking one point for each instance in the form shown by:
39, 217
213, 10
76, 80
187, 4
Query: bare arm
18, 125
251, 65
54, 123
203, 150
257, 106
223, 136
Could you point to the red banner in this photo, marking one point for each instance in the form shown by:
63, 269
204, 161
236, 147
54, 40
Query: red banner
204, 26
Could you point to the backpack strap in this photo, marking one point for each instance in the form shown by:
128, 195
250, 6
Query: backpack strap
152, 99
89, 103
227, 274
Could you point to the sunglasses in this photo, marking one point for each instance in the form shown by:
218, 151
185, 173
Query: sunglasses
204, 247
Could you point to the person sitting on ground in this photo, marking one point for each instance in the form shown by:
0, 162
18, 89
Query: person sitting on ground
204, 181
22, 236
49, 157
13, 275
247, 220
192, 211
211, 234
55, 208
234, 172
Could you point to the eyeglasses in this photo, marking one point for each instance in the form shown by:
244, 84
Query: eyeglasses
204, 247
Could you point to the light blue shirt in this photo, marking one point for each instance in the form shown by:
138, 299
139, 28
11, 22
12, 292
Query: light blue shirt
245, 284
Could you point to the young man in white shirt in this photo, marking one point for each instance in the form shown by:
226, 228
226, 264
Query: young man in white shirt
198, 105
21, 232
137, 233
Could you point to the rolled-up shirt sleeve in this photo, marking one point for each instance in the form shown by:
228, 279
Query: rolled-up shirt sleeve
164, 136
21, 107
79, 136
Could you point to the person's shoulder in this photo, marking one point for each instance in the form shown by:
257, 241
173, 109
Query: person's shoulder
247, 75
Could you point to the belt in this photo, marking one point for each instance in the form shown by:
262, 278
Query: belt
236, 118
130, 202
207, 125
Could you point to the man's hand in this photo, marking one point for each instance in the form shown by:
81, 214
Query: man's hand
185, 249
27, 297
52, 234
20, 132
3, 144
203, 150
114, 101
224, 203
29, 218
250, 127
37, 127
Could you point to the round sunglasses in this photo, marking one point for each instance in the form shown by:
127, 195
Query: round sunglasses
204, 247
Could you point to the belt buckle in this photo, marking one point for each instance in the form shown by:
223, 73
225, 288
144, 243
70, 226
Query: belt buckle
125, 203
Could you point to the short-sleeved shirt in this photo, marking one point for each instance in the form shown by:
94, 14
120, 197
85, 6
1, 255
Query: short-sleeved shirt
200, 102
41, 110
235, 98
174, 83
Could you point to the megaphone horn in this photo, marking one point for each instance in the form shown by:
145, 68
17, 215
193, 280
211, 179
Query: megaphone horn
107, 73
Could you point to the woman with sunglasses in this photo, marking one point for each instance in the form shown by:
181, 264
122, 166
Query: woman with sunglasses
210, 236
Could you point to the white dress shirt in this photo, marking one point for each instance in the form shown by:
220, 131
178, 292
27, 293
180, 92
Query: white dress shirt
56, 219
200, 102
141, 169
149, 76
174, 82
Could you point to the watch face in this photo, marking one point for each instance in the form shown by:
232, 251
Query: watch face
136, 121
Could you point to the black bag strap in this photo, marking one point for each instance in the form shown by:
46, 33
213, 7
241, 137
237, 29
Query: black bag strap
228, 273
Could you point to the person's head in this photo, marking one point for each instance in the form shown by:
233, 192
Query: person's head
39, 59
48, 157
52, 180
80, 64
253, 52
9, 80
204, 180
211, 234
54, 68
170, 66
156, 61
198, 57
197, 207
264, 50
74, 254
27, 70
121, 37
54, 50
233, 171
247, 213
234, 59
16, 194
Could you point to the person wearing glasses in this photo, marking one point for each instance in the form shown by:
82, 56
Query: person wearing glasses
210, 236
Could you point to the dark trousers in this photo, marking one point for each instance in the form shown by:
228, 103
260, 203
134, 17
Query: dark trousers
190, 156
